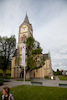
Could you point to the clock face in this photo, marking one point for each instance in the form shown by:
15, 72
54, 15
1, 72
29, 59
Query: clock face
24, 28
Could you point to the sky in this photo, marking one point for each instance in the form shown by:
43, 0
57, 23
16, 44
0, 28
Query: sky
49, 21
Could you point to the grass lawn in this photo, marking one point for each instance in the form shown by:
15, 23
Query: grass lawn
7, 71
8, 74
26, 92
23, 80
61, 77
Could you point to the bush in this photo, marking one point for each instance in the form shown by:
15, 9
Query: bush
1, 83
57, 72
46, 77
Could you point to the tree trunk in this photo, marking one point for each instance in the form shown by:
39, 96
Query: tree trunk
4, 73
28, 75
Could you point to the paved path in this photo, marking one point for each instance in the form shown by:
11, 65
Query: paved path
56, 77
46, 82
52, 83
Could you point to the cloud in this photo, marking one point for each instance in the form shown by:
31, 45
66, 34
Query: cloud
53, 36
59, 58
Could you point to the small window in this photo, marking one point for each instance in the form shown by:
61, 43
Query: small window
23, 38
24, 28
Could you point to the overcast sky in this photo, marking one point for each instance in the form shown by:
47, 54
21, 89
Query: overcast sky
49, 21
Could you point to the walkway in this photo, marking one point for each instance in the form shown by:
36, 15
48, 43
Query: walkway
46, 82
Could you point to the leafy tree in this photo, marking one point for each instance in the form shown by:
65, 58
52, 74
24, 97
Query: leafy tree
57, 72
35, 59
7, 50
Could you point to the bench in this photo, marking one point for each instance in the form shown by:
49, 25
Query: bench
36, 83
62, 85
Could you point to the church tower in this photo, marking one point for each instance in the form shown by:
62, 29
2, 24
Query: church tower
25, 31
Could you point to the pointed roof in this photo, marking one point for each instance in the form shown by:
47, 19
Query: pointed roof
26, 20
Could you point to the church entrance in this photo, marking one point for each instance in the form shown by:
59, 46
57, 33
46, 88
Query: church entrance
22, 74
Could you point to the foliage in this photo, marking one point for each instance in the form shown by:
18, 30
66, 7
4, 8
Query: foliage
17, 61
23, 80
7, 71
7, 50
46, 77
35, 59
27, 92
58, 72
8, 74
1, 83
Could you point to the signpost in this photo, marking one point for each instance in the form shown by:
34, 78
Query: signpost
23, 58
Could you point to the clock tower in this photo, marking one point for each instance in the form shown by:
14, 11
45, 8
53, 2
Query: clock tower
25, 31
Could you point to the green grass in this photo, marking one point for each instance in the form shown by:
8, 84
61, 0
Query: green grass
1, 71
26, 92
23, 80
7, 71
61, 77
8, 74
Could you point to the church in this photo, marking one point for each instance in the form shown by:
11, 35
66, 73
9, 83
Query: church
25, 31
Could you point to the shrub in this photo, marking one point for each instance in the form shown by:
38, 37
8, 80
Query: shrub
1, 83
46, 77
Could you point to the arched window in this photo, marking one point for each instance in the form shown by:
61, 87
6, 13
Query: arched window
23, 38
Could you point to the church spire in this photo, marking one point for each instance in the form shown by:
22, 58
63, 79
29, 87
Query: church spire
26, 20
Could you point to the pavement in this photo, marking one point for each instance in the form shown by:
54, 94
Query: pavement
46, 82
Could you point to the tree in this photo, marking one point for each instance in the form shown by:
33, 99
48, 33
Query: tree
35, 58
58, 72
7, 50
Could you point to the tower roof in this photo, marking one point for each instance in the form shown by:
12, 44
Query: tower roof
26, 20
